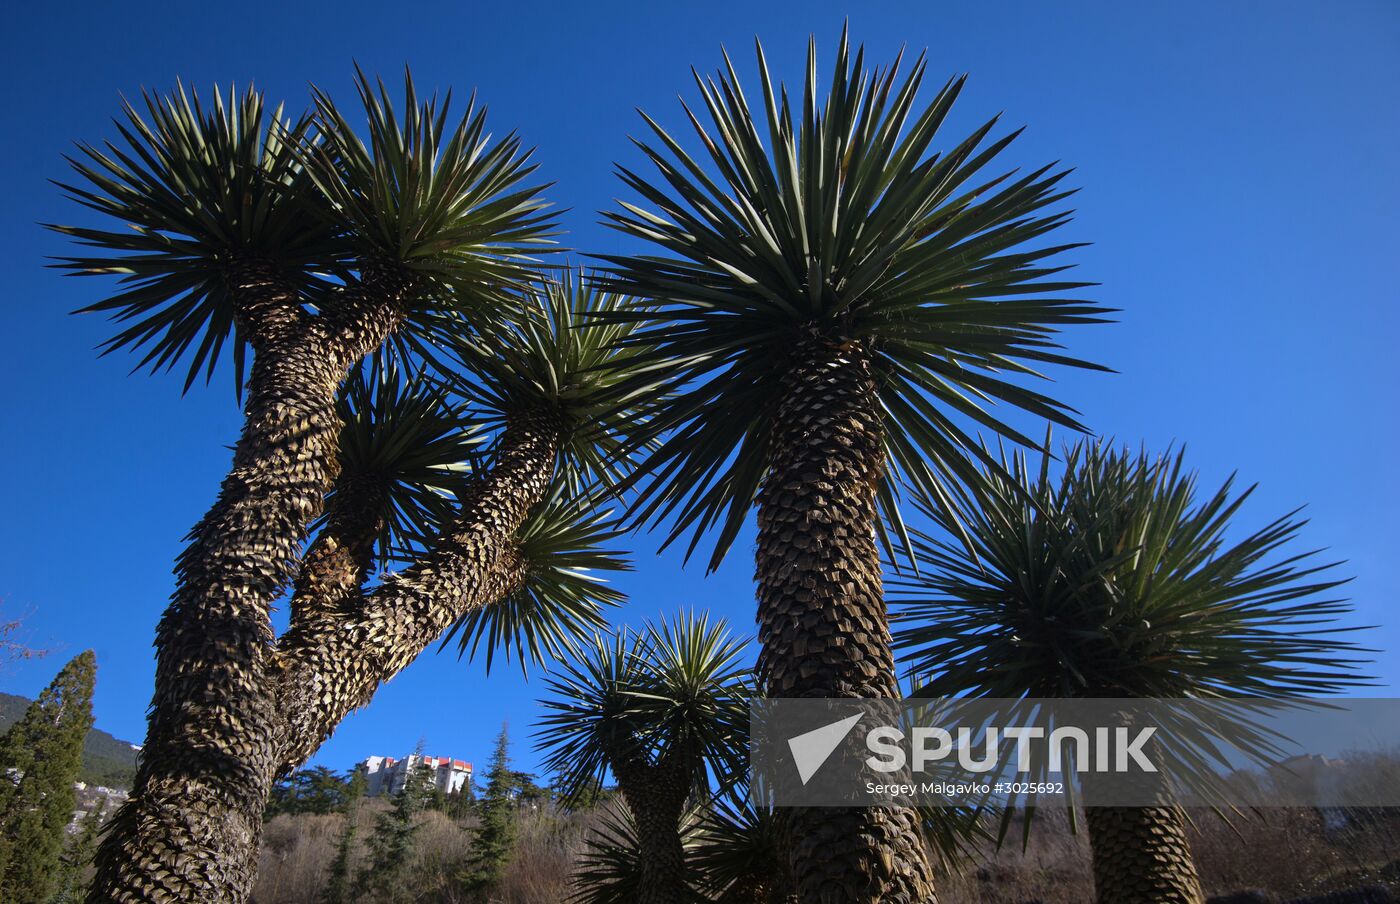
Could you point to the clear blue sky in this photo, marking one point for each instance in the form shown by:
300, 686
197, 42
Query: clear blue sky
1238, 165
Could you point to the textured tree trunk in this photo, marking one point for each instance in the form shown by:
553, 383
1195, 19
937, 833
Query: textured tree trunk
821, 611
331, 665
338, 562
656, 795
1141, 855
754, 890
190, 830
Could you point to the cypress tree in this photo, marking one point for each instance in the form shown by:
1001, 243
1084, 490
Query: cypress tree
495, 836
337, 890
394, 831
40, 757
461, 804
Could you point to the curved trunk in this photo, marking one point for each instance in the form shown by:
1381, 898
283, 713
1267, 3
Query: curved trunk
331, 665
190, 830
821, 611
1141, 855
656, 795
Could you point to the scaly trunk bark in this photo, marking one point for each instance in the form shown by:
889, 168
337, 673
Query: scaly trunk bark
821, 611
331, 665
755, 890
190, 830
338, 562
1141, 855
656, 795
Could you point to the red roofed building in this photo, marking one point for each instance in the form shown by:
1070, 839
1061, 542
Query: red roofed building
386, 775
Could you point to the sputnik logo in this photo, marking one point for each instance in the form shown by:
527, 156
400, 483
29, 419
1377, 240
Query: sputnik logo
811, 749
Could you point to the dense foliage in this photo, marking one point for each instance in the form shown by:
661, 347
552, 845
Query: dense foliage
495, 833
107, 760
40, 756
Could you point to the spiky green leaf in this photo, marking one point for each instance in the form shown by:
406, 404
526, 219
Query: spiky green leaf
195, 188
568, 546
448, 202
842, 221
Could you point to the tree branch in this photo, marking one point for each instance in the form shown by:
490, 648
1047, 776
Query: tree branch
332, 664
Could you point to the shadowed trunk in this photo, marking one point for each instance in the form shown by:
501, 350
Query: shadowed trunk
190, 830
656, 795
821, 611
1141, 855
339, 560
330, 665
754, 890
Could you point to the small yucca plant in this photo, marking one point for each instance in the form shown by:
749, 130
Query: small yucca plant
665, 711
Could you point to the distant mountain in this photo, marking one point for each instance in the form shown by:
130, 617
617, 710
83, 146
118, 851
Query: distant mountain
106, 760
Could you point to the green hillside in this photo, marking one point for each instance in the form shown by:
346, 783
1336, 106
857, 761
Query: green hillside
106, 760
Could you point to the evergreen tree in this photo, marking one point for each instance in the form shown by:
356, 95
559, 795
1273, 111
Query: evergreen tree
319, 790
526, 793
40, 757
496, 833
315, 790
78, 857
337, 890
394, 831
460, 804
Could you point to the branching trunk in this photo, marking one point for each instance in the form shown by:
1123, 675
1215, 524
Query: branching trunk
331, 665
822, 620
191, 828
338, 562
656, 795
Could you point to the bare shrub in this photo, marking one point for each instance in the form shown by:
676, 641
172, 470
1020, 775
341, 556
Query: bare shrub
1285, 854
545, 850
296, 851
1297, 851
1052, 868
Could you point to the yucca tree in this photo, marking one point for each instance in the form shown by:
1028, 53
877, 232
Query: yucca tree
241, 230
739, 854
405, 447
832, 302
1118, 579
609, 868
506, 559
666, 712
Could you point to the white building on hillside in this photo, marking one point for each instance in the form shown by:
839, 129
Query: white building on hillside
386, 775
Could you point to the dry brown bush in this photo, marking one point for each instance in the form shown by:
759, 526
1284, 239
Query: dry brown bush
544, 856
296, 852
1052, 867
1286, 852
